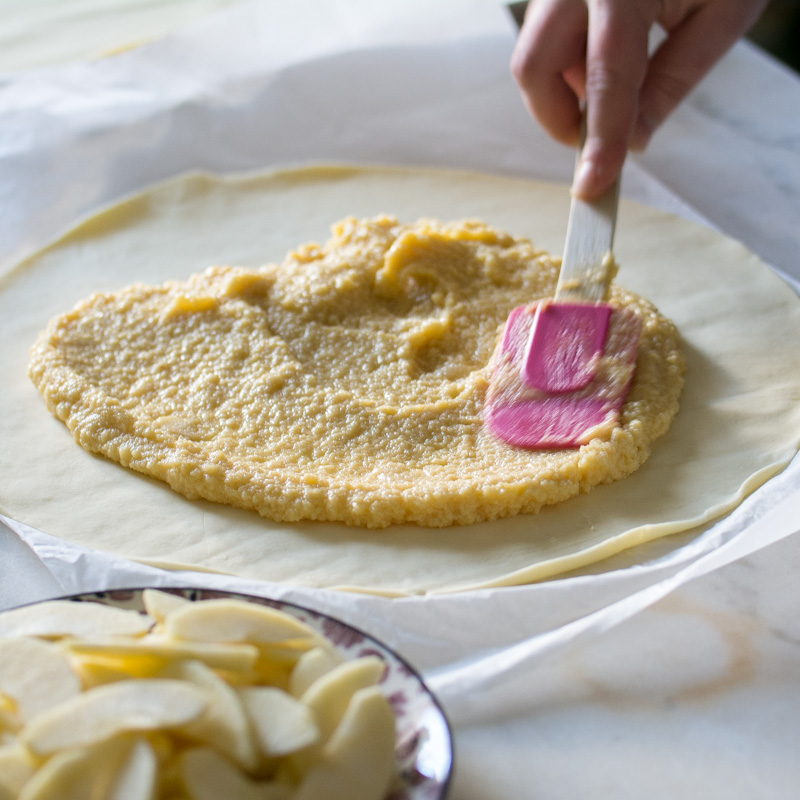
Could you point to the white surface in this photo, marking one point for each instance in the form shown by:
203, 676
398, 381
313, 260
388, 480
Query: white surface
38, 33
693, 696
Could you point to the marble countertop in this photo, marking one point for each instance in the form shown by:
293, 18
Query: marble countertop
697, 694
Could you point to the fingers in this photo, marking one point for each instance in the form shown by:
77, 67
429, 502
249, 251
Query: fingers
616, 63
695, 42
548, 64
568, 49
571, 48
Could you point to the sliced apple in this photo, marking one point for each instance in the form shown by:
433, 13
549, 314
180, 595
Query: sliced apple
224, 724
311, 666
165, 745
208, 672
10, 721
276, 662
330, 695
282, 724
323, 782
328, 698
206, 775
100, 713
117, 769
159, 605
96, 672
234, 621
57, 618
16, 768
286, 653
155, 651
36, 675
358, 761
366, 735
138, 775
63, 777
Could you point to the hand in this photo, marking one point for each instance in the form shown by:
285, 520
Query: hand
597, 50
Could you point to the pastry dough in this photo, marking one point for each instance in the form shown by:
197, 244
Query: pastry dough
739, 419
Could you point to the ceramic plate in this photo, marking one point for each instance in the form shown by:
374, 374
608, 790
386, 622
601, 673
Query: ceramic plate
424, 741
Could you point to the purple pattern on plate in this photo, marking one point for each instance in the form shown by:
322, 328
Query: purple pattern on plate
340, 634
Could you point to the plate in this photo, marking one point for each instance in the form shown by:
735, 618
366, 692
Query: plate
424, 749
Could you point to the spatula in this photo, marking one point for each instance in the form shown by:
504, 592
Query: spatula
565, 363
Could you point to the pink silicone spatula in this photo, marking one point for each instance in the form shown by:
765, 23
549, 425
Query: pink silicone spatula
564, 364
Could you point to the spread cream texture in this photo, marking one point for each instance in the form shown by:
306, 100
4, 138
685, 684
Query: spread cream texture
345, 384
738, 423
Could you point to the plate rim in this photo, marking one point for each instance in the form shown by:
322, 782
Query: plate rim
443, 785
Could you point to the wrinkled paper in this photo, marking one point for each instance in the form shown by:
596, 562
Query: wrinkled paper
265, 85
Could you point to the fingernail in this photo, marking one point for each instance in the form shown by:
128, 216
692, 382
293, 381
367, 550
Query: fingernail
585, 179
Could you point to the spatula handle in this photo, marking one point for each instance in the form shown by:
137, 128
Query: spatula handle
588, 267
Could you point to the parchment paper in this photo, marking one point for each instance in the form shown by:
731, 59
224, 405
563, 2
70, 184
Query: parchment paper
265, 85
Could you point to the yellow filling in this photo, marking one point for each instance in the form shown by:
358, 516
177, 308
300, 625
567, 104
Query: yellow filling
345, 384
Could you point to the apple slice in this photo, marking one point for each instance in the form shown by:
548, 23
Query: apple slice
159, 605
224, 724
138, 775
5, 792
97, 714
116, 769
234, 621
36, 675
282, 724
358, 761
366, 735
311, 666
10, 721
16, 769
154, 650
206, 775
96, 672
58, 618
329, 696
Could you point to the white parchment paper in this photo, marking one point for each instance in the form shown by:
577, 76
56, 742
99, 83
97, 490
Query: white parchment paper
268, 83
